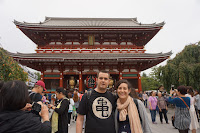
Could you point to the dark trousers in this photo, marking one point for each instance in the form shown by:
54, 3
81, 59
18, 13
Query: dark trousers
69, 117
183, 131
161, 113
153, 115
145, 103
197, 112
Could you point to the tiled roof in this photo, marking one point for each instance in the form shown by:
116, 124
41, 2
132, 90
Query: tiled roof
89, 22
91, 56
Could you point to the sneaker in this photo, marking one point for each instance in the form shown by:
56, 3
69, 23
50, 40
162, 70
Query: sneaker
167, 123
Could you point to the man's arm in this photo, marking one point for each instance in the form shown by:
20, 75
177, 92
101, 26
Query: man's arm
79, 123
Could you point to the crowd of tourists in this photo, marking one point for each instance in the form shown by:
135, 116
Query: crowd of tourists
96, 111
187, 107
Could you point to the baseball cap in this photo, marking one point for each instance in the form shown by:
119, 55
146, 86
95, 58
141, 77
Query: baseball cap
41, 83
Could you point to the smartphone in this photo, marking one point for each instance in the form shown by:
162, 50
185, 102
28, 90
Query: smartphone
172, 86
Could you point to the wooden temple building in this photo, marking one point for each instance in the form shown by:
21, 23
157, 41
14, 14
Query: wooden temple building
70, 51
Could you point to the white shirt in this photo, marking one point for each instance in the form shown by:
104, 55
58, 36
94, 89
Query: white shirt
144, 96
71, 104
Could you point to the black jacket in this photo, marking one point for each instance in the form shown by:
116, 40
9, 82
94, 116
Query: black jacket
63, 116
22, 122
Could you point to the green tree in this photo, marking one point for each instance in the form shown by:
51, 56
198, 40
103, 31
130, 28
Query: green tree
9, 69
184, 69
149, 82
39, 75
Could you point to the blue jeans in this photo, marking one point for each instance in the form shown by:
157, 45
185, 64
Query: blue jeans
153, 115
145, 103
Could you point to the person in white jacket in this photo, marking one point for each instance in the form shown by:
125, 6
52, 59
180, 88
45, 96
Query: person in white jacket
70, 107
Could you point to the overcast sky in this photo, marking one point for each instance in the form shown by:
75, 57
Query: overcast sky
182, 18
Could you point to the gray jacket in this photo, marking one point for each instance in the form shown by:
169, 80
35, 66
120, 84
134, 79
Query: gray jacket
143, 114
197, 97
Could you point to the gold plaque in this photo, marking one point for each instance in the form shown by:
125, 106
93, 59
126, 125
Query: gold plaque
91, 40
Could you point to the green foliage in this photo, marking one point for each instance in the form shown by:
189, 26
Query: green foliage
184, 69
149, 82
39, 75
9, 69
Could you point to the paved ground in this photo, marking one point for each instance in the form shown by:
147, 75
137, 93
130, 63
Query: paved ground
156, 128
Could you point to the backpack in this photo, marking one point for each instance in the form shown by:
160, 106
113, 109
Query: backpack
136, 103
32, 93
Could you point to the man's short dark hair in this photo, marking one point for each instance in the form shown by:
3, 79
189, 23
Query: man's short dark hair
14, 95
103, 71
60, 89
182, 89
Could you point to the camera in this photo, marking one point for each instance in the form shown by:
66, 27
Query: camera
172, 86
36, 108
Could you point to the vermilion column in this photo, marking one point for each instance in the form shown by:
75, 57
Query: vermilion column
139, 83
42, 75
80, 81
61, 79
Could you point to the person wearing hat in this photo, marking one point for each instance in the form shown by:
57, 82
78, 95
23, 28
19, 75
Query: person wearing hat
36, 93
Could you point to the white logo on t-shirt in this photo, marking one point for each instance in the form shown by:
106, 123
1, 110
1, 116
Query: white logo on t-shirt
102, 108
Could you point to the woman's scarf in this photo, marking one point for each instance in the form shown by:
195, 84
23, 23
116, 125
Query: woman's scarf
133, 116
54, 122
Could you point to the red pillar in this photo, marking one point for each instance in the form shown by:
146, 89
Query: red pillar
139, 83
61, 79
42, 76
80, 81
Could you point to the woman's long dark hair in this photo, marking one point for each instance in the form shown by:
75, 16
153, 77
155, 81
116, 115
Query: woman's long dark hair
133, 92
190, 90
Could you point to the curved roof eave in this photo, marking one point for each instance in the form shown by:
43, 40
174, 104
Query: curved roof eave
91, 56
42, 25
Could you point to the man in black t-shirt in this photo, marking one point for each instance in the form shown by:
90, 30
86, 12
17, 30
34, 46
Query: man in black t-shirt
36, 93
99, 107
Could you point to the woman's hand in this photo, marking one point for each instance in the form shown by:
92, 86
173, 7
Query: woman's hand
50, 106
171, 92
44, 113
28, 107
